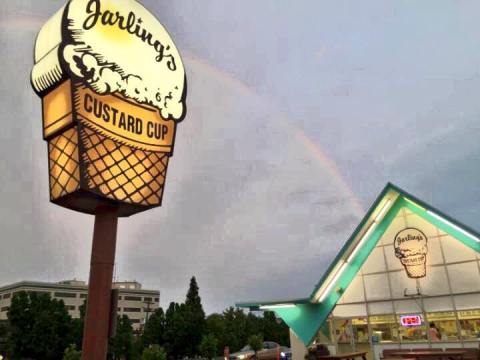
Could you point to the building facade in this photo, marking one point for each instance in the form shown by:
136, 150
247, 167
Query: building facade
133, 301
407, 278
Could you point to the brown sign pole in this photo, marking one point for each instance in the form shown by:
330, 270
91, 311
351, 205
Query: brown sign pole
97, 320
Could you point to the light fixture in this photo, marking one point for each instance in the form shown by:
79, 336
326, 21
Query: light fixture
332, 282
383, 211
362, 240
445, 221
276, 306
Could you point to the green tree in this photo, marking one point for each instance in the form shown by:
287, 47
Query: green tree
3, 336
208, 346
71, 353
235, 329
256, 343
254, 325
194, 317
274, 329
40, 327
154, 332
154, 352
121, 345
215, 325
77, 327
175, 330
3, 330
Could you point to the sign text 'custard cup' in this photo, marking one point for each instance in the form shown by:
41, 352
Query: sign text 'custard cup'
113, 90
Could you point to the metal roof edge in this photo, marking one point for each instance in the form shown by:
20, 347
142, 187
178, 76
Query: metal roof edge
435, 210
56, 286
254, 304
350, 240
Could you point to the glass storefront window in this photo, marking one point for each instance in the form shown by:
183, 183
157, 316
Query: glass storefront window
343, 331
469, 324
384, 328
445, 323
360, 330
412, 333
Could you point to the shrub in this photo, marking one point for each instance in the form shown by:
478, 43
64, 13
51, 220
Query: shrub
154, 352
71, 353
208, 346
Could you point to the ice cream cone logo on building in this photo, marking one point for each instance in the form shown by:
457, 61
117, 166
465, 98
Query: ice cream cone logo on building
113, 90
411, 249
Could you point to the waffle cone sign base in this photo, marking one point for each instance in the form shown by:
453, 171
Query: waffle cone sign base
105, 150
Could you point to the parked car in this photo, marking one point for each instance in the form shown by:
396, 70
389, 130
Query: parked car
271, 351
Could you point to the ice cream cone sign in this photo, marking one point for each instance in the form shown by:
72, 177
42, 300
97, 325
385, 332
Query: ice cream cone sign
411, 249
113, 91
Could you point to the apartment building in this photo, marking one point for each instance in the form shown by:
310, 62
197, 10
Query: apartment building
133, 301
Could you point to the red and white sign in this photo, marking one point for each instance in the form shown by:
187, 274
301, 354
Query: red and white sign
410, 320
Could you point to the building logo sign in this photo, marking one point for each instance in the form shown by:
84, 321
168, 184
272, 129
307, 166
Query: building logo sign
113, 89
411, 249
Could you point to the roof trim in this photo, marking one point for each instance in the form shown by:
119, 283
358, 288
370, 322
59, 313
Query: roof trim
257, 304
351, 239
53, 286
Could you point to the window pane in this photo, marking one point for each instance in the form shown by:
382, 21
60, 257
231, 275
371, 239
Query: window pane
343, 331
384, 328
65, 295
132, 309
445, 323
360, 330
412, 333
469, 324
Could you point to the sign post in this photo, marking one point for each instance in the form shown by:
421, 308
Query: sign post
113, 91
97, 320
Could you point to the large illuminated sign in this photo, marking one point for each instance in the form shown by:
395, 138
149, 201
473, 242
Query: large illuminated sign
113, 90
411, 249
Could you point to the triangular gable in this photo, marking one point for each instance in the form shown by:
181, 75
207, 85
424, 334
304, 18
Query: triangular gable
306, 319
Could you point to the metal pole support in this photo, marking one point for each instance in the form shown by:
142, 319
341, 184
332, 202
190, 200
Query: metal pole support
97, 320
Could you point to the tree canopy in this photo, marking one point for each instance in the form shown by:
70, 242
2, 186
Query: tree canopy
39, 327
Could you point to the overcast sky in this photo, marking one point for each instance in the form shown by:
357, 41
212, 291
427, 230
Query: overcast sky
299, 113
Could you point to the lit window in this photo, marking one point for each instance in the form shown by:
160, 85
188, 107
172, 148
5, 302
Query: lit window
384, 328
445, 324
469, 324
414, 332
360, 330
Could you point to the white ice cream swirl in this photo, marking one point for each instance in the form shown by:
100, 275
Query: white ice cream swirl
410, 242
117, 46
